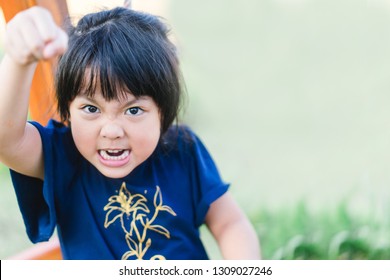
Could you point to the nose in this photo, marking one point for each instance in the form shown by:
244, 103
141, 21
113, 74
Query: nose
112, 130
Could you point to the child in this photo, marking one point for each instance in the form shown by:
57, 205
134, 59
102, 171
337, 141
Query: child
116, 177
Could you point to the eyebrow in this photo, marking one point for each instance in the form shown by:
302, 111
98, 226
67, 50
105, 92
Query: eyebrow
137, 99
127, 104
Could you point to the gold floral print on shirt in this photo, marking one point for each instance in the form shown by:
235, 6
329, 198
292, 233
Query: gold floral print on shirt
136, 220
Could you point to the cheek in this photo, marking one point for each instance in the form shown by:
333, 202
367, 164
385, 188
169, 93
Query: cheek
155, 127
150, 140
83, 136
148, 135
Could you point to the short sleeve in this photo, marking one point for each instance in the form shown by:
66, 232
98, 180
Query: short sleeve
206, 177
36, 198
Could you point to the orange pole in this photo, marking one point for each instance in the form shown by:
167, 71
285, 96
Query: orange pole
42, 99
42, 96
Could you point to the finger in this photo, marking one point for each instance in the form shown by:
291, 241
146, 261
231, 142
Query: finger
16, 46
57, 46
44, 23
32, 40
24, 39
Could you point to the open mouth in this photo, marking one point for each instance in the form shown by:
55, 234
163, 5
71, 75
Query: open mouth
114, 155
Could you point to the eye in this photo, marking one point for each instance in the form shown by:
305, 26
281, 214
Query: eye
134, 111
90, 109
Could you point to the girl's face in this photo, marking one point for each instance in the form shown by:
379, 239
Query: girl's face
115, 136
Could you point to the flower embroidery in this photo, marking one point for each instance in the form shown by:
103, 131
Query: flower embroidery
134, 216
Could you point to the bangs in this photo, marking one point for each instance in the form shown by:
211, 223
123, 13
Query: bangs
96, 80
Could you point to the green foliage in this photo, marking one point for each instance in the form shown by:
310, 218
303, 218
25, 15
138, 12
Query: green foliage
293, 234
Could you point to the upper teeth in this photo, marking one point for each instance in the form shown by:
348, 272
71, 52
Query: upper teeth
123, 154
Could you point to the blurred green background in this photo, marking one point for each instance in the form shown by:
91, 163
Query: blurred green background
292, 99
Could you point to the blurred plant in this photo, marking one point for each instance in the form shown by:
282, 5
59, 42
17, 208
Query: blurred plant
300, 234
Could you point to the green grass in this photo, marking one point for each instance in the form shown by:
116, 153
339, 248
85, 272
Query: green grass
298, 233
13, 238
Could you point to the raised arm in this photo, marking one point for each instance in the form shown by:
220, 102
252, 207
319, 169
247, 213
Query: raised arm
234, 233
30, 36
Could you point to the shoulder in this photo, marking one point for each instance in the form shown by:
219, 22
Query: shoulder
56, 137
53, 127
181, 141
179, 137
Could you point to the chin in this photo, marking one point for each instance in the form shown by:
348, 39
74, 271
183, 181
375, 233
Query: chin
115, 173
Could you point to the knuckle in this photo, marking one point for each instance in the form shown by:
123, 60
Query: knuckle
26, 56
42, 13
36, 47
39, 10
22, 59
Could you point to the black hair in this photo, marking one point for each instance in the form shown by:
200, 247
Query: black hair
122, 51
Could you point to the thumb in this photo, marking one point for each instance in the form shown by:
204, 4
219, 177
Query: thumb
57, 46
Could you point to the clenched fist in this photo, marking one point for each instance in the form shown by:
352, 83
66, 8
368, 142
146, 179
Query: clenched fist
33, 35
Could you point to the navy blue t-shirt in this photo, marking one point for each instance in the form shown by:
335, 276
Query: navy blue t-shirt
153, 213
